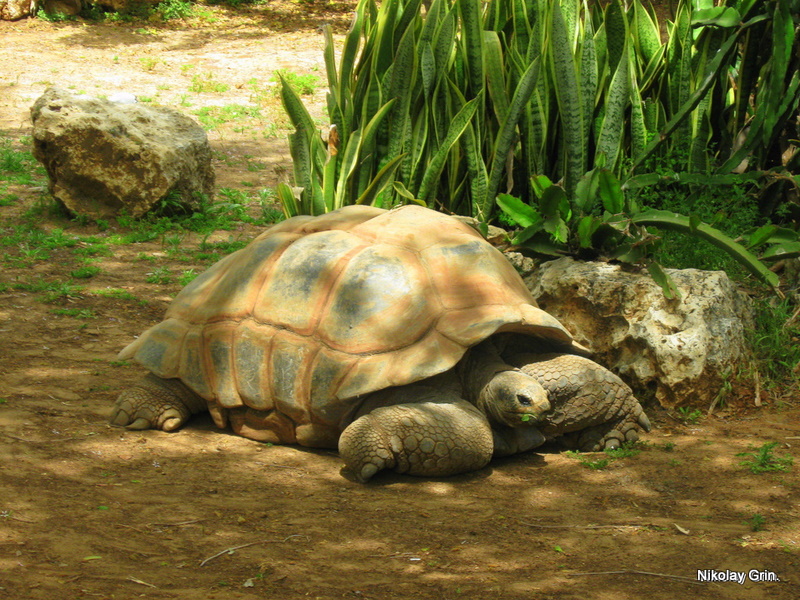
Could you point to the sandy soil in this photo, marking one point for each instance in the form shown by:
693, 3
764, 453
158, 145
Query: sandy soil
92, 511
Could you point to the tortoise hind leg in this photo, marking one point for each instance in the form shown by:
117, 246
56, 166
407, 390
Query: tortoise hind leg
156, 403
431, 438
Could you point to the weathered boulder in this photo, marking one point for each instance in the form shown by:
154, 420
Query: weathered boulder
679, 351
103, 158
13, 10
70, 8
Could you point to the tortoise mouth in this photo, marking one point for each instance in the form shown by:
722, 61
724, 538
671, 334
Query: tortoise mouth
525, 416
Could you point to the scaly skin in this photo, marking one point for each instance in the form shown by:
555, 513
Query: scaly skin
593, 409
431, 439
449, 424
156, 403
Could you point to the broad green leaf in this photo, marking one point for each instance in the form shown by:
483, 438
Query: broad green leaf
403, 73
552, 201
712, 72
610, 191
667, 220
301, 119
570, 102
403, 192
384, 177
719, 16
616, 25
519, 212
646, 33
662, 278
586, 191
507, 133
586, 228
349, 162
493, 57
540, 183
471, 30
761, 235
782, 251
436, 164
609, 140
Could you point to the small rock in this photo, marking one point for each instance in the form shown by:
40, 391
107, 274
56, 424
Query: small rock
123, 98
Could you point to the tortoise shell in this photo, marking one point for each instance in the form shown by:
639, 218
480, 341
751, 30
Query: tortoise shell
318, 311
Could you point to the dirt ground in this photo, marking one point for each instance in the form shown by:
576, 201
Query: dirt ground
92, 511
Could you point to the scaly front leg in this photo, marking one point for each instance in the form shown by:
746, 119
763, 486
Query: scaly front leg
429, 439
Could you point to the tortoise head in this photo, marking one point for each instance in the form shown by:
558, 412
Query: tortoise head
513, 398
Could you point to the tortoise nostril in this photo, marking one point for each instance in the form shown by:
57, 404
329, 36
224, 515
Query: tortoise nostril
524, 400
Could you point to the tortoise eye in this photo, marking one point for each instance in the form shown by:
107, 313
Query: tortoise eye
524, 400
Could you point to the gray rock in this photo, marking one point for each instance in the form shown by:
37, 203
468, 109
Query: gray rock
678, 351
103, 158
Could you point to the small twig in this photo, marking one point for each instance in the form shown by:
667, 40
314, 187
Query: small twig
18, 519
792, 319
69, 439
234, 548
231, 551
139, 581
583, 526
757, 399
192, 522
633, 572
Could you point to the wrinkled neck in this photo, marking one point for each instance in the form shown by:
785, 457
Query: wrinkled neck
478, 367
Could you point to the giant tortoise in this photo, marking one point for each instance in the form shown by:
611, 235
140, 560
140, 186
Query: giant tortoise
402, 337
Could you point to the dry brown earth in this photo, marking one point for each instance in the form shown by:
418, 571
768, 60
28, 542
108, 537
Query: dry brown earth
91, 511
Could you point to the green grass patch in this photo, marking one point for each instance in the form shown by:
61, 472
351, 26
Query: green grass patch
118, 294
187, 276
170, 10
305, 84
211, 117
207, 84
763, 460
85, 272
18, 166
690, 415
756, 522
160, 275
775, 345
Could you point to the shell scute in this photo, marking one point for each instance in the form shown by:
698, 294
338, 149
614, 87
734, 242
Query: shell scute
251, 348
379, 303
300, 282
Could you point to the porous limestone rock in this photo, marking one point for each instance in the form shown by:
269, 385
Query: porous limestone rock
13, 10
103, 158
679, 351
